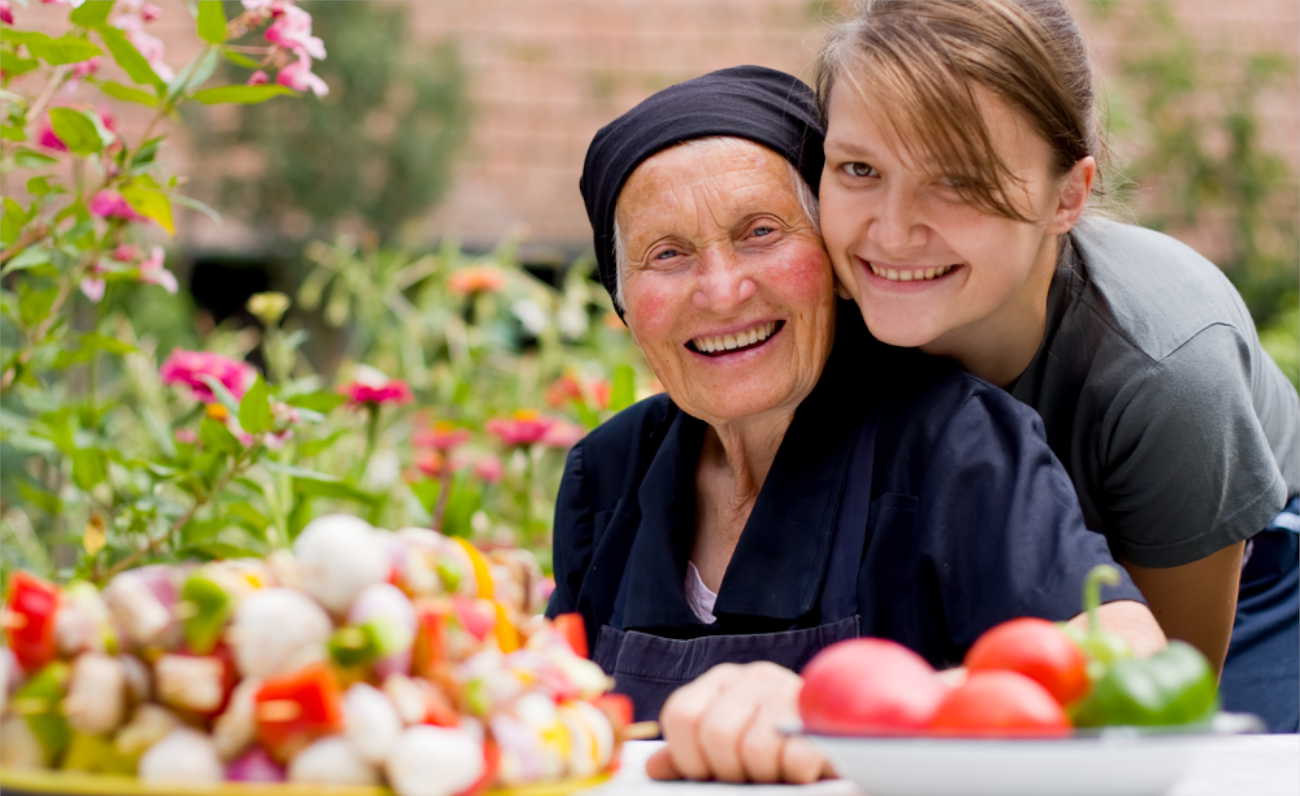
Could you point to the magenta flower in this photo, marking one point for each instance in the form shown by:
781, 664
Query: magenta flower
110, 204
488, 469
49, 140
188, 368
298, 76
86, 68
125, 253
524, 427
153, 272
258, 78
6, 12
362, 393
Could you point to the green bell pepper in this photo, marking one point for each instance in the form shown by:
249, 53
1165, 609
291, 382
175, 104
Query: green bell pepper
40, 702
1102, 648
207, 607
1174, 686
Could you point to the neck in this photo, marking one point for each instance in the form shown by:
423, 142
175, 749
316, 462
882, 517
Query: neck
999, 347
742, 452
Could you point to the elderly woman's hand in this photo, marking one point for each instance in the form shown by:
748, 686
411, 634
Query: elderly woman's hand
724, 726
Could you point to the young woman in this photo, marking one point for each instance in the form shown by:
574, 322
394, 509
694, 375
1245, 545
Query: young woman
961, 153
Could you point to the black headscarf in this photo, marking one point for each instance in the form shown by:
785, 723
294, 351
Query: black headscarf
762, 105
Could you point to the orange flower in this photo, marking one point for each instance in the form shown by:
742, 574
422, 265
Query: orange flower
476, 279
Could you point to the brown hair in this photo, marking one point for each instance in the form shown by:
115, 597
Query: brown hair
917, 60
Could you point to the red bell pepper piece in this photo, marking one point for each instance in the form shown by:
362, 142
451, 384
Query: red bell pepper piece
429, 653
476, 620
491, 764
30, 610
572, 629
295, 709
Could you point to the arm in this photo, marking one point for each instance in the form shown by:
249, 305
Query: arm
1195, 602
1131, 621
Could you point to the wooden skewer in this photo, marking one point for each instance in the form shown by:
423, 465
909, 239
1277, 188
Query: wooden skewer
640, 731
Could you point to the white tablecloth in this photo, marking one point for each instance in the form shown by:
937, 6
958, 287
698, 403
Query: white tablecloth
1253, 765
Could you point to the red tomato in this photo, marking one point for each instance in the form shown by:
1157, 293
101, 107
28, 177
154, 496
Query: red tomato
868, 685
295, 709
30, 608
1000, 703
438, 709
1038, 649
571, 627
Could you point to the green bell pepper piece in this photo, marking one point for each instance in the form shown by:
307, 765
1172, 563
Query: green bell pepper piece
208, 606
1174, 686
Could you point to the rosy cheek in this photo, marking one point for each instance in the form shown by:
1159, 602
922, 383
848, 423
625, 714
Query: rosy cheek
649, 309
806, 273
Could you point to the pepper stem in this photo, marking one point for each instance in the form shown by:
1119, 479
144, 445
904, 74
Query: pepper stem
1102, 573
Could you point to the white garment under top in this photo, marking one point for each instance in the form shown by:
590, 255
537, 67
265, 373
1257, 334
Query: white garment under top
698, 596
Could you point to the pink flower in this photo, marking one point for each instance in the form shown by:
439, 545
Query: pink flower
149, 12
258, 78
151, 47
49, 140
93, 288
125, 253
563, 434
85, 68
187, 436
524, 427
188, 368
6, 12
110, 204
292, 30
361, 393
152, 271
489, 469
298, 76
442, 436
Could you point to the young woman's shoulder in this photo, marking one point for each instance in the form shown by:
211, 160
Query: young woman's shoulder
1153, 290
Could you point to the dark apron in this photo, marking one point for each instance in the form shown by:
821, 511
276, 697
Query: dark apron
648, 668
1262, 671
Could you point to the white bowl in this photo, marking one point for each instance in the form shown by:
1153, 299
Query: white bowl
1112, 761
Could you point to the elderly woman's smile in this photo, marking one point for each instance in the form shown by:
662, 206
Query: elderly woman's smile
724, 281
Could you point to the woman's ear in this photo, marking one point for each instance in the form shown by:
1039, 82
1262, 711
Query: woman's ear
1074, 188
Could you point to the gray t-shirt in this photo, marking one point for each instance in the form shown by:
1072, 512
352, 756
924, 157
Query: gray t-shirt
1182, 436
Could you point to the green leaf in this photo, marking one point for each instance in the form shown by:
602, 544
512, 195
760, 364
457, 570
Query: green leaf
145, 197
224, 396
622, 390
239, 59
313, 447
129, 58
241, 94
324, 401
11, 223
127, 93
47, 502
255, 409
31, 257
91, 14
78, 131
195, 204
31, 159
211, 21
314, 484
67, 49
214, 436
13, 65
88, 467
103, 342
41, 186
11, 132
195, 74
147, 153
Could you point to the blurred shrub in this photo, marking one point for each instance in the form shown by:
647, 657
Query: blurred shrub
371, 156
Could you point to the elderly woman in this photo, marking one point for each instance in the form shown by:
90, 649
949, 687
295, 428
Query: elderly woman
798, 483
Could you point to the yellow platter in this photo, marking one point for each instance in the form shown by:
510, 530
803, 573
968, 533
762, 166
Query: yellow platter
72, 783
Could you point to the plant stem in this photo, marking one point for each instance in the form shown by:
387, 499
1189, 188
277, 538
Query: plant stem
242, 460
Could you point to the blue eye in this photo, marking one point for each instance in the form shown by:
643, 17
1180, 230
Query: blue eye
857, 168
762, 231
665, 254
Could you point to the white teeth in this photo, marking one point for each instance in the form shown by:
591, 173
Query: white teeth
911, 274
729, 342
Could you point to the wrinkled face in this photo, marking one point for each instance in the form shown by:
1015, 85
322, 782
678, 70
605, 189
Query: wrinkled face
927, 268
726, 285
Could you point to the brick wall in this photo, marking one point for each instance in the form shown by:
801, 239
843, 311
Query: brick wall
545, 74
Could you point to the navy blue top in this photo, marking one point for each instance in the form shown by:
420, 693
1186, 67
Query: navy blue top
970, 520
